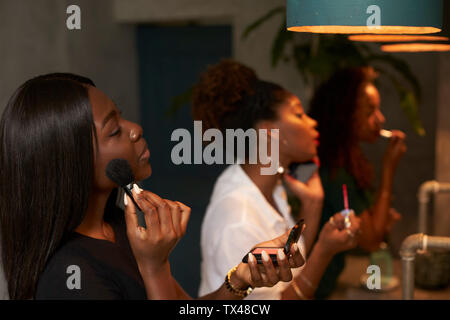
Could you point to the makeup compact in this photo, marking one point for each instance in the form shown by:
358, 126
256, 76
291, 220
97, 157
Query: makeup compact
272, 252
257, 253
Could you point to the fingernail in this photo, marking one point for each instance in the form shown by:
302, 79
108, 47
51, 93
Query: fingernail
265, 256
295, 247
136, 189
281, 254
125, 201
251, 258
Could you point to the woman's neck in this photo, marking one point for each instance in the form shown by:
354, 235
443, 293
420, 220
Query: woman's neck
265, 183
93, 224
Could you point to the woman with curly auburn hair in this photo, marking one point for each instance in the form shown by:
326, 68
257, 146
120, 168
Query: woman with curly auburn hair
247, 205
347, 109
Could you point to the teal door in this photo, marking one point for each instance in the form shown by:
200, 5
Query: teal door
170, 61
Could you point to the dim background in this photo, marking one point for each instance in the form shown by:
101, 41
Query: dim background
142, 53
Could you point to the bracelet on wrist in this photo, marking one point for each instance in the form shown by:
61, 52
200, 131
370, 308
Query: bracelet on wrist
238, 292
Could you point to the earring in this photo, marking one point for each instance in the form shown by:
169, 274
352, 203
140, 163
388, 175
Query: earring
281, 168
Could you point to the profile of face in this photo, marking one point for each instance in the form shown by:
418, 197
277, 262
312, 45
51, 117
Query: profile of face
298, 137
368, 117
117, 138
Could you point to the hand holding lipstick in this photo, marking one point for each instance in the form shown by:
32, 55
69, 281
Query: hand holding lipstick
395, 151
346, 212
335, 237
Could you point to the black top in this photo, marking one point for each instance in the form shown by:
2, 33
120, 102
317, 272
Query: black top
106, 270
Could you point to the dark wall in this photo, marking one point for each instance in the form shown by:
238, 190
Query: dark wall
170, 60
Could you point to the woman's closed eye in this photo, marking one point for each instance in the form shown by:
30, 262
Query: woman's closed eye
119, 129
116, 132
300, 114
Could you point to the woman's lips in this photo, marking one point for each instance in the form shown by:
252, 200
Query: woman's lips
316, 139
145, 155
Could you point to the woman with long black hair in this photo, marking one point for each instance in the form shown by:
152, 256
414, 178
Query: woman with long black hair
57, 206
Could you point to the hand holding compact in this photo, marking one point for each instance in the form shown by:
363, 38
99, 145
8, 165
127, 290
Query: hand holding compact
267, 274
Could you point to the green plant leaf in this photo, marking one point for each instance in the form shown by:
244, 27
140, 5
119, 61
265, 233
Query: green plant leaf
401, 67
363, 48
279, 44
329, 54
263, 19
301, 55
408, 103
179, 101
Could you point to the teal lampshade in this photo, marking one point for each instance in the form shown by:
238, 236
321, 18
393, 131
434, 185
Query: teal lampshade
365, 16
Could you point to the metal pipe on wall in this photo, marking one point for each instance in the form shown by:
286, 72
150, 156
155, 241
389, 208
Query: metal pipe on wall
426, 189
408, 252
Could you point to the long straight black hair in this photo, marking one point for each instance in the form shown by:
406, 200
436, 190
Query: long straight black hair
47, 138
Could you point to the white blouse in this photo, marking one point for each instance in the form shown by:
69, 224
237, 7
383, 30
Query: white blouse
237, 218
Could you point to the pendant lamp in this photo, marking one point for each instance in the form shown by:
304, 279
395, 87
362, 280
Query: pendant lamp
365, 16
416, 47
394, 38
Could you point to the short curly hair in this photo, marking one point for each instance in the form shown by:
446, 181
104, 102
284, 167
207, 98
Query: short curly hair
229, 95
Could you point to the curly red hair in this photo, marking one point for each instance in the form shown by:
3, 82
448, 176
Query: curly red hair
334, 106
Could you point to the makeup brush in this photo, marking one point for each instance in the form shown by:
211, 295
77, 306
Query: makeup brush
119, 171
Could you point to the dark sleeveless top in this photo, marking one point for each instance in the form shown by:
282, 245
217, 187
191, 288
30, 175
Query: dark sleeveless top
88, 268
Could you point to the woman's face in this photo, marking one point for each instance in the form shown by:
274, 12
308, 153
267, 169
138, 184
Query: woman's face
298, 135
368, 117
117, 138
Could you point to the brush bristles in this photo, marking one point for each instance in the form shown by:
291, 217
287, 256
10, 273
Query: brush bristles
119, 171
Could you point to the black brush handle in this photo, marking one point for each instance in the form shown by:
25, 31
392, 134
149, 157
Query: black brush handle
140, 214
